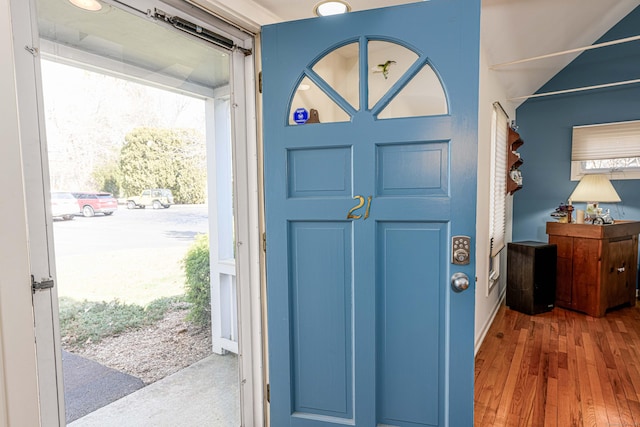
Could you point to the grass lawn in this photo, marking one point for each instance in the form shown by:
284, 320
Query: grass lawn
133, 276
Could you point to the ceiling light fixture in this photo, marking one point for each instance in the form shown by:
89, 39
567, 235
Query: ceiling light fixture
90, 5
331, 7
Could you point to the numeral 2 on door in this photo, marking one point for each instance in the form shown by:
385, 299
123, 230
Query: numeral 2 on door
350, 214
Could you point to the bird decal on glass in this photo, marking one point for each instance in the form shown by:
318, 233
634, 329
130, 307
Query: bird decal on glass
384, 68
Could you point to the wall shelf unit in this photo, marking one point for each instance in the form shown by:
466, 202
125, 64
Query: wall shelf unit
514, 161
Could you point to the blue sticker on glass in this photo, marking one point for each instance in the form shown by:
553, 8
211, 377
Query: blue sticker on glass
300, 116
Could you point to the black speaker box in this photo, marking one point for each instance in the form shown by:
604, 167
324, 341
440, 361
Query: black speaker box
531, 276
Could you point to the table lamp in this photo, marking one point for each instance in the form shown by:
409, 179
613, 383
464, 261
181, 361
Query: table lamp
594, 188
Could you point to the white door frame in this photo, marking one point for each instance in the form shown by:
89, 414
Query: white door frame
248, 241
39, 221
18, 368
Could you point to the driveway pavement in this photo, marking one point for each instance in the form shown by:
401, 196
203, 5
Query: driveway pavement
131, 229
89, 385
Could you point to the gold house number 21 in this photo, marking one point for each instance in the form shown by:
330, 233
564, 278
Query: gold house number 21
360, 199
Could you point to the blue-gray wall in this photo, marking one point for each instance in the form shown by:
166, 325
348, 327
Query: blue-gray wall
545, 125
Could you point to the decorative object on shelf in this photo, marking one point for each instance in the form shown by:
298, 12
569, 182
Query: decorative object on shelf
569, 213
314, 116
514, 161
561, 213
603, 218
384, 68
595, 188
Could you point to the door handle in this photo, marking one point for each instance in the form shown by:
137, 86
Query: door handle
459, 282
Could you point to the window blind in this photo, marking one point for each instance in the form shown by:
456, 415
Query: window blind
606, 141
498, 185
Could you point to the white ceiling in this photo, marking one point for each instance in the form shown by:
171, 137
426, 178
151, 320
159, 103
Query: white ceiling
118, 42
511, 29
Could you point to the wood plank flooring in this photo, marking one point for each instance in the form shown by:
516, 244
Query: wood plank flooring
559, 369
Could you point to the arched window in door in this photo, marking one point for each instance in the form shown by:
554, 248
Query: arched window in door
397, 82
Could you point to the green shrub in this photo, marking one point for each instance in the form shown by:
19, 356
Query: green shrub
198, 280
82, 322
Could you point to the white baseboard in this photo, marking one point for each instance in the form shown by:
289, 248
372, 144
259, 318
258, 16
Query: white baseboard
489, 321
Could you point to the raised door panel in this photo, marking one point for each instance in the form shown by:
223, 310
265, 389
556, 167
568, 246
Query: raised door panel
321, 319
564, 275
619, 274
410, 366
633, 270
586, 276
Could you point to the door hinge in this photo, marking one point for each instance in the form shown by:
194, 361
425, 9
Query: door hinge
269, 393
264, 242
32, 50
260, 81
41, 285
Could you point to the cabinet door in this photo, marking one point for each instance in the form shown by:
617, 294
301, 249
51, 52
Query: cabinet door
586, 276
564, 269
619, 272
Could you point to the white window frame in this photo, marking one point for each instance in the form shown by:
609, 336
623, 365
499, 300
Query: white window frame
497, 191
605, 141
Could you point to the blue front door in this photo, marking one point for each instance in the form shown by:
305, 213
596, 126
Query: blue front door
370, 145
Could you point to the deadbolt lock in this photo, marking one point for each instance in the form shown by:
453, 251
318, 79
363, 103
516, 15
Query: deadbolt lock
460, 250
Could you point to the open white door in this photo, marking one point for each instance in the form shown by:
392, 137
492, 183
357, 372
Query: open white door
18, 381
243, 250
35, 163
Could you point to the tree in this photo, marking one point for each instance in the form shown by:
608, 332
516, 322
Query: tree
107, 177
164, 158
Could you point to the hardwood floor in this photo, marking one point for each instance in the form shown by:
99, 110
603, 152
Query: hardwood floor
559, 368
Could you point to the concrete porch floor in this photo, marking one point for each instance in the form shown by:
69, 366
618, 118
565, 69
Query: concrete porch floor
204, 394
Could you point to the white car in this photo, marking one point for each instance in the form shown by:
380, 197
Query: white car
63, 205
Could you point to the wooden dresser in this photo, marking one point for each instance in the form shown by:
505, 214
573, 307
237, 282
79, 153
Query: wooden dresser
596, 265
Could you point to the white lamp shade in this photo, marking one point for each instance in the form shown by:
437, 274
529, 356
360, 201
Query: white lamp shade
595, 188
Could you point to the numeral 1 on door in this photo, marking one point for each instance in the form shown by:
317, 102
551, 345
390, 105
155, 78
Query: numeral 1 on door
366, 213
